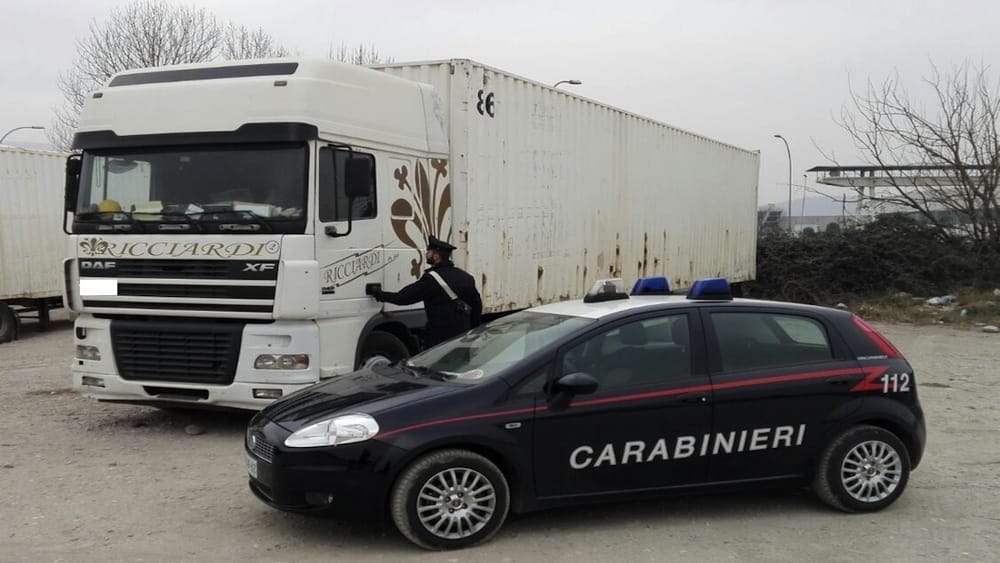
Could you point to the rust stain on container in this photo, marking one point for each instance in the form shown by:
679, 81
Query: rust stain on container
645, 253
616, 269
538, 284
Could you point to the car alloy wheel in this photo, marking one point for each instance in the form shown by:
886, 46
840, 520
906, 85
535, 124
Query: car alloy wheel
456, 503
871, 471
450, 499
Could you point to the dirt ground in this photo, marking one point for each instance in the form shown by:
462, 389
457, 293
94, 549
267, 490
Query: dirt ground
85, 481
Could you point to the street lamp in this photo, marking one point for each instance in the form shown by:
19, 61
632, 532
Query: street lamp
18, 129
789, 151
802, 209
573, 82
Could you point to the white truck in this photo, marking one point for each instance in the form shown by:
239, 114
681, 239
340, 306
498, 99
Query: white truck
226, 218
32, 242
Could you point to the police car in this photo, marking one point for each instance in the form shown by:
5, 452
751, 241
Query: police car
615, 396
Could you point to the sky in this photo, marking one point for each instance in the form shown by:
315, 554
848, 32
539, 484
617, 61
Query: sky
736, 71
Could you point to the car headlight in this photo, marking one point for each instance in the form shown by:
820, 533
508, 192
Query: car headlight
344, 429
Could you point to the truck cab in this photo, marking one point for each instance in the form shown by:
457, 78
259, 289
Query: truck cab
225, 220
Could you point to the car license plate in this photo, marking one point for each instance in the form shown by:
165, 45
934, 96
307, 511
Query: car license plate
252, 467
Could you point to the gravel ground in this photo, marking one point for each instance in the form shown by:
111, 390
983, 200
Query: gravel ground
86, 481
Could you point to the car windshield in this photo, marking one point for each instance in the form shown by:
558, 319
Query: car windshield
485, 351
260, 186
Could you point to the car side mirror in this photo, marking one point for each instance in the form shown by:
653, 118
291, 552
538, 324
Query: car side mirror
562, 391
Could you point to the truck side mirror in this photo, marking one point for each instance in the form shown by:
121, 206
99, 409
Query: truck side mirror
358, 177
73, 167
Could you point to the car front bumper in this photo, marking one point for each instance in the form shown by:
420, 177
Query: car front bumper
348, 480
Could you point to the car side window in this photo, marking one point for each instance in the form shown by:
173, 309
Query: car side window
762, 340
534, 384
641, 352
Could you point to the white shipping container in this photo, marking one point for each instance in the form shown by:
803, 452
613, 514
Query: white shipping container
551, 191
32, 242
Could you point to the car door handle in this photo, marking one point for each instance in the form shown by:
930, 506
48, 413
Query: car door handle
694, 398
841, 380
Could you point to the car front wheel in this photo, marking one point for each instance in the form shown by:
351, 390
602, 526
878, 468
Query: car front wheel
450, 499
863, 469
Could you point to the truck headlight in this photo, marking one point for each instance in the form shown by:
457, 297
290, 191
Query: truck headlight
344, 429
282, 361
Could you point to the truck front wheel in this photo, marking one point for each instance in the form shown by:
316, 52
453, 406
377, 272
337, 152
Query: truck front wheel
382, 348
8, 323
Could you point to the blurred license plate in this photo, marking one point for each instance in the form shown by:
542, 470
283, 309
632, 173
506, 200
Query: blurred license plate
252, 467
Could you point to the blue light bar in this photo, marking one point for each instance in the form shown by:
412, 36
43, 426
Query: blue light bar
711, 289
651, 286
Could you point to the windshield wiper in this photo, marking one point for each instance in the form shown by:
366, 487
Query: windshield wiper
264, 225
131, 220
424, 371
416, 371
185, 216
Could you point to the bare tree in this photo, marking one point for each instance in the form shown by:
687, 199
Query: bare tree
243, 43
148, 33
360, 55
954, 136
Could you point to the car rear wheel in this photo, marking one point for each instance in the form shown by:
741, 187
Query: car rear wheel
450, 499
863, 469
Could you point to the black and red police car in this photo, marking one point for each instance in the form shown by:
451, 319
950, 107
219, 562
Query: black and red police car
610, 397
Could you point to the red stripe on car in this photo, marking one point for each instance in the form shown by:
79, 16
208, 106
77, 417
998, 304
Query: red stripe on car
870, 382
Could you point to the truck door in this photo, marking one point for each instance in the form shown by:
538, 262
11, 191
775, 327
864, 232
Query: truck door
349, 245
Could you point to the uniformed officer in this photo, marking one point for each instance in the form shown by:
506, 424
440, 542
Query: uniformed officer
446, 316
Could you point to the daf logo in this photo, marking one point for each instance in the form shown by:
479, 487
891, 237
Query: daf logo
97, 265
258, 267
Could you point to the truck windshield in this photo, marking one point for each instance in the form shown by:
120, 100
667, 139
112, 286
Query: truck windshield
195, 189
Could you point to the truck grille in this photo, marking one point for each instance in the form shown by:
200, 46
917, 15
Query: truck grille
196, 291
181, 269
185, 285
187, 351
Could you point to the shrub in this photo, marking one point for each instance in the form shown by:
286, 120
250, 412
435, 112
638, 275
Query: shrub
890, 254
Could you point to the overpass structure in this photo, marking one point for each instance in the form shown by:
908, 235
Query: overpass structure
866, 179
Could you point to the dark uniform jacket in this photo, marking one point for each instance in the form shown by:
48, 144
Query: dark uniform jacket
444, 319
